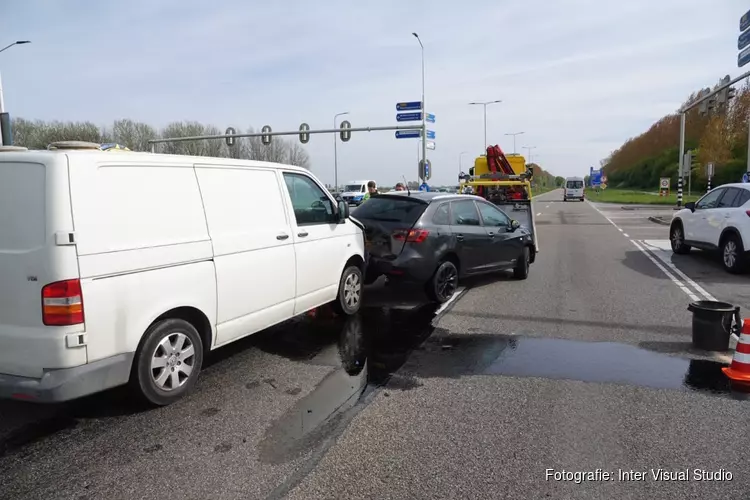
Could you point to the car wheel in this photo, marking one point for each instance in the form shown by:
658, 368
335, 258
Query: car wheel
677, 239
521, 271
443, 283
732, 254
167, 364
349, 298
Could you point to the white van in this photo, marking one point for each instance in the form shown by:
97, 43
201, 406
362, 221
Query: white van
573, 189
354, 192
120, 267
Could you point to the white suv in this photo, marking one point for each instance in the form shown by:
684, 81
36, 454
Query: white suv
720, 220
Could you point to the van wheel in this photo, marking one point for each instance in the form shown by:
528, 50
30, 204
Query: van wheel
443, 283
349, 298
168, 362
521, 271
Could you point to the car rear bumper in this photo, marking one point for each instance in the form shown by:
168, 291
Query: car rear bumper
406, 268
68, 383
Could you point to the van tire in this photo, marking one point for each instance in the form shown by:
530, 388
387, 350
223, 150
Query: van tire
169, 332
349, 299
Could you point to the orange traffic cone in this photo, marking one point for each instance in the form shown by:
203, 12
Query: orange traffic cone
739, 370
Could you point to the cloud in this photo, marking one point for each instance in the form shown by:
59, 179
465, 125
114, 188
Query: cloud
577, 76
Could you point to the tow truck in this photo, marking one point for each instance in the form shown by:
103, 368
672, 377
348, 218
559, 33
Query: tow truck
504, 181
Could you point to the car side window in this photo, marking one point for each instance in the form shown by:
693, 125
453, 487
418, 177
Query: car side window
726, 201
742, 198
442, 215
493, 216
464, 213
710, 200
311, 204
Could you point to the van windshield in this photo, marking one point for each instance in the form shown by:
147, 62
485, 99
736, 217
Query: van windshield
357, 188
575, 184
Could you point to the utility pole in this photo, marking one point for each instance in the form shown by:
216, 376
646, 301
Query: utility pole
514, 134
424, 107
335, 153
484, 105
6, 136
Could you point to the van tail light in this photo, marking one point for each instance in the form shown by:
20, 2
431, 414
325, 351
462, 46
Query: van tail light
62, 303
411, 235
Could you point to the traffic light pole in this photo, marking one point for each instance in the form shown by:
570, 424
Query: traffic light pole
682, 160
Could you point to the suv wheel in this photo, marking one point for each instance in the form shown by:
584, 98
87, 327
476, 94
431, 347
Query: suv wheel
677, 239
732, 254
349, 298
443, 283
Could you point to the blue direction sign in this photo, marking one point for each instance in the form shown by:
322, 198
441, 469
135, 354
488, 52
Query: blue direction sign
408, 134
745, 21
409, 106
430, 118
744, 40
743, 57
409, 117
595, 178
430, 134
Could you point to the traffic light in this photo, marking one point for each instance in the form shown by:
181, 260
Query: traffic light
345, 134
425, 169
304, 136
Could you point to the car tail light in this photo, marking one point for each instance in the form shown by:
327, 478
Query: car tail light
411, 236
747, 212
62, 303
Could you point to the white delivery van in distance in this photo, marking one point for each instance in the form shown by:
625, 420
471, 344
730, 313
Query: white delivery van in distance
573, 189
120, 267
354, 192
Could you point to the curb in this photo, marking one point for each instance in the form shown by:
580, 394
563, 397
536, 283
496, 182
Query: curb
658, 220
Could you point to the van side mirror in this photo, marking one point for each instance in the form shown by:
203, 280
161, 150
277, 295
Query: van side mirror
514, 224
343, 211
690, 206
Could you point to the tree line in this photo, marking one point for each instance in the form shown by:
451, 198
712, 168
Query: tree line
720, 137
38, 134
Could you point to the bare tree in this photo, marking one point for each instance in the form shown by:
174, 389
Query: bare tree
134, 135
297, 155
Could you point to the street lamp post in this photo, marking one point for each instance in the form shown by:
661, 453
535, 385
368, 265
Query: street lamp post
424, 108
484, 105
336, 154
528, 150
5, 129
514, 134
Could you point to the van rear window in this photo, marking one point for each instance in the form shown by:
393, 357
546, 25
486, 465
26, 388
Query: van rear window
390, 208
22, 206
575, 184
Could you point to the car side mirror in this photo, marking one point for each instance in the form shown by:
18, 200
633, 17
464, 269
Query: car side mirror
343, 211
690, 206
514, 224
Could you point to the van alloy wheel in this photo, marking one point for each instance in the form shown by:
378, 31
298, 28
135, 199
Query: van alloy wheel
172, 361
352, 290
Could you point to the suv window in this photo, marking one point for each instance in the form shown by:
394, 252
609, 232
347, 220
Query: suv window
710, 200
464, 213
727, 200
493, 216
311, 204
743, 198
442, 215
390, 208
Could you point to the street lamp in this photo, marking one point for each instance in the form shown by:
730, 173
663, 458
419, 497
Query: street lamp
485, 104
528, 149
17, 42
335, 153
514, 134
424, 108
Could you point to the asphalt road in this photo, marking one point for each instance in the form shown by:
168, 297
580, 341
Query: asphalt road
586, 365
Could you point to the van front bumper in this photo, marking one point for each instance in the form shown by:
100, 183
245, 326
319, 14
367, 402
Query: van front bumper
68, 383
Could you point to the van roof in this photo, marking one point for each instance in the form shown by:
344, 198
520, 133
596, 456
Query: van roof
135, 157
574, 178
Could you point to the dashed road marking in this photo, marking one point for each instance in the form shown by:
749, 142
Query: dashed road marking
669, 275
626, 235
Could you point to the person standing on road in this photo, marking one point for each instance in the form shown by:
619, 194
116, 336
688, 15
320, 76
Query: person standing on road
372, 188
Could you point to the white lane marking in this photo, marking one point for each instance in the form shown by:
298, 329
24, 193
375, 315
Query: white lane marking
547, 206
626, 235
657, 247
455, 296
540, 213
601, 213
671, 276
619, 229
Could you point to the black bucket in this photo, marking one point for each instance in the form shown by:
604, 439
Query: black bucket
712, 324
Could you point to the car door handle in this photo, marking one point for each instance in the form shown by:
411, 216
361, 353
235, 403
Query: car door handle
302, 234
491, 235
460, 237
282, 236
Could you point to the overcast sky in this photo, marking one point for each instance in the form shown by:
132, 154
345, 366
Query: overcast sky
577, 76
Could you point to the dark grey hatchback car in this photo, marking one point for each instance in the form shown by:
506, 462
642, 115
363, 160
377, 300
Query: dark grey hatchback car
436, 238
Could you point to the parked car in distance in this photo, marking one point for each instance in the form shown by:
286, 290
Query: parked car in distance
573, 189
434, 239
719, 221
120, 267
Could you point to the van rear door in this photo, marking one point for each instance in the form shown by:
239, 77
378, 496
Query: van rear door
34, 215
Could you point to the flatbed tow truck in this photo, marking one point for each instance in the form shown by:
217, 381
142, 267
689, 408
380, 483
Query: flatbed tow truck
504, 181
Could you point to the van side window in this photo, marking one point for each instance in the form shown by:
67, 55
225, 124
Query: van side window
311, 204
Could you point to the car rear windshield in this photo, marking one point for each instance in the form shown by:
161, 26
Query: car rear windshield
575, 184
390, 209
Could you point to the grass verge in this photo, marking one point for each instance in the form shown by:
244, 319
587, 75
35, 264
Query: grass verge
626, 197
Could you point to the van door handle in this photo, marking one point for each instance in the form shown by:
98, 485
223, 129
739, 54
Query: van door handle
282, 236
302, 234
